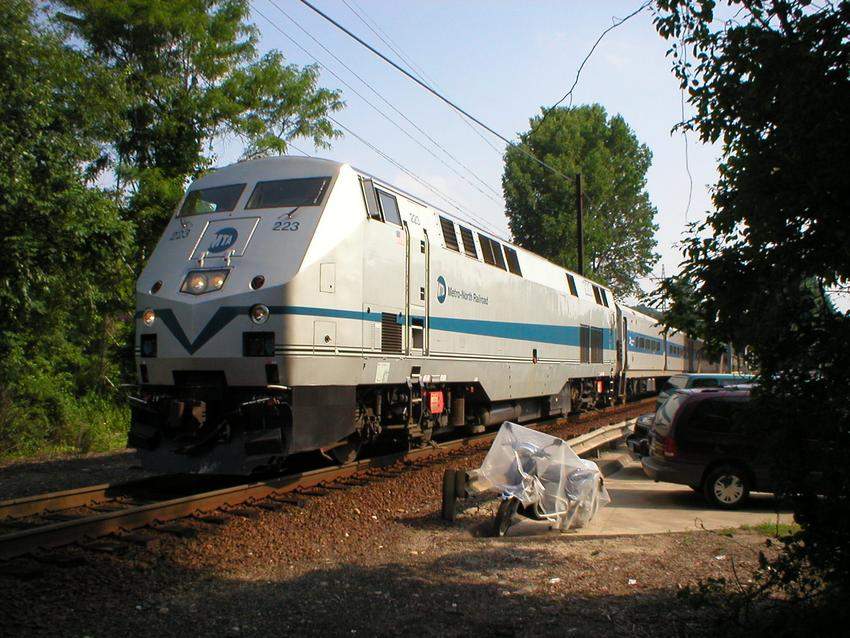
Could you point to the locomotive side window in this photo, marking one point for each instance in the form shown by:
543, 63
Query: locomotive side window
279, 193
369, 198
468, 242
486, 249
604, 298
513, 261
596, 295
219, 199
571, 282
389, 206
449, 235
497, 254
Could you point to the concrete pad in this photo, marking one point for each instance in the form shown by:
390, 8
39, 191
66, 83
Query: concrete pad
641, 506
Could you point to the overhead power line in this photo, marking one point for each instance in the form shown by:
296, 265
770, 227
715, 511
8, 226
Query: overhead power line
363, 16
569, 94
452, 202
393, 107
461, 213
437, 94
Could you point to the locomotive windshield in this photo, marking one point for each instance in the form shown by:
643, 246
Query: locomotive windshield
219, 199
279, 193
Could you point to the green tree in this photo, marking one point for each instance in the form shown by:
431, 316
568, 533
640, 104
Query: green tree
193, 73
61, 271
618, 224
772, 84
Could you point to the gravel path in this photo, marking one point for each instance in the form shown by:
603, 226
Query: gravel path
371, 558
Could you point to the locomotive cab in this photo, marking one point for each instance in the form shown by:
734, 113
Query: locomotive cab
211, 316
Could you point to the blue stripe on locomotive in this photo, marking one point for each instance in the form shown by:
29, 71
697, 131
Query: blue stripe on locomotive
536, 332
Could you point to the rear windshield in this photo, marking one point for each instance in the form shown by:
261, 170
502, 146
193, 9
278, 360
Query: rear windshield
665, 414
705, 382
219, 199
674, 383
736, 380
280, 193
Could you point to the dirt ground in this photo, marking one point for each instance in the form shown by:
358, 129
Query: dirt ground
26, 477
370, 557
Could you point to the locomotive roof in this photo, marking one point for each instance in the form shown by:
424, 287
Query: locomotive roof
260, 168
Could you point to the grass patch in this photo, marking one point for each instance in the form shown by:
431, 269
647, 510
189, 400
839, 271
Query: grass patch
774, 529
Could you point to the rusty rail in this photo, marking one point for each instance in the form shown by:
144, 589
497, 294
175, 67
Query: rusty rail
105, 523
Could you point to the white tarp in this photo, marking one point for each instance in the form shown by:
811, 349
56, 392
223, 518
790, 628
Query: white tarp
545, 475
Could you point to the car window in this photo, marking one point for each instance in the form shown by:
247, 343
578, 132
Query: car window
712, 415
674, 383
708, 382
665, 414
736, 380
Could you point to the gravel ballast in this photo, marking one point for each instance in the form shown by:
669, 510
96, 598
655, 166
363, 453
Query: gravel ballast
369, 556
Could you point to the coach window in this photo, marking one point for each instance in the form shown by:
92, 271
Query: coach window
486, 249
468, 242
449, 235
571, 282
389, 207
497, 254
513, 262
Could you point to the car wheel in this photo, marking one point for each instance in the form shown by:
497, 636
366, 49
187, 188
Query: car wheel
727, 486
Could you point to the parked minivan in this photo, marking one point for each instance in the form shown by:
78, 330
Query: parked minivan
698, 441
699, 380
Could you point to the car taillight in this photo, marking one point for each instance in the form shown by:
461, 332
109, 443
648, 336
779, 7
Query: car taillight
669, 446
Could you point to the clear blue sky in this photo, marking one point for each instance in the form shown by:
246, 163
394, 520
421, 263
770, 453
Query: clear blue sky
501, 61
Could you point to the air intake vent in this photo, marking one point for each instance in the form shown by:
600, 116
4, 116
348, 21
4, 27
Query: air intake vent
596, 345
390, 333
448, 228
584, 344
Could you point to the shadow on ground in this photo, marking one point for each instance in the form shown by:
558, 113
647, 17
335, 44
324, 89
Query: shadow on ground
460, 594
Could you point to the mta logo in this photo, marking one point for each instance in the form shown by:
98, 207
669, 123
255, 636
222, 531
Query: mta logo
441, 289
223, 240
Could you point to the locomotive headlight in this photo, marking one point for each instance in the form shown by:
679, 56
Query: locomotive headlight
216, 280
198, 282
259, 313
148, 316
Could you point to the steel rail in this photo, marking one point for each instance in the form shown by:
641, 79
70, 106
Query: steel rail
102, 524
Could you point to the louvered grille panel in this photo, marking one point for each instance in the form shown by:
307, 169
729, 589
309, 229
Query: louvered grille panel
449, 234
390, 333
596, 345
584, 344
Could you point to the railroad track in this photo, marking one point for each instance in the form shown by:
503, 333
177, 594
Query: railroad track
100, 510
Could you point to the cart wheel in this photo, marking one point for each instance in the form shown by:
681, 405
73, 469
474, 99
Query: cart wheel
504, 517
449, 495
460, 484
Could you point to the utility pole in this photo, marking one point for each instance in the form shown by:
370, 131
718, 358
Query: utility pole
580, 224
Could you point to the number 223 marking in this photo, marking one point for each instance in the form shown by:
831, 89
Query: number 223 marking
285, 225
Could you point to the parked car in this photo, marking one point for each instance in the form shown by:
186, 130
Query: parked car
699, 380
697, 440
638, 441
